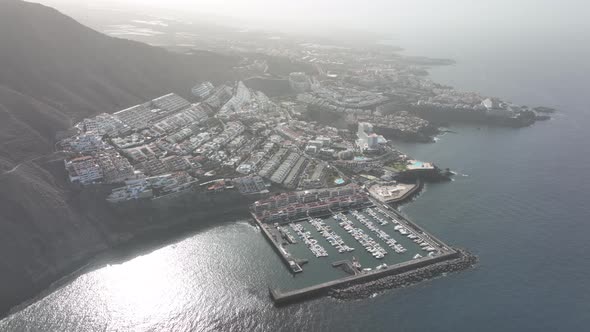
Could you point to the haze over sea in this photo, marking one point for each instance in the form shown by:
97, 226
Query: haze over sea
519, 201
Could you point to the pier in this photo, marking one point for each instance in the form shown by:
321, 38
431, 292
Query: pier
285, 257
283, 298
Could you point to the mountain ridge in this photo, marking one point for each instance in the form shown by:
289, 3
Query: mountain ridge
53, 73
78, 72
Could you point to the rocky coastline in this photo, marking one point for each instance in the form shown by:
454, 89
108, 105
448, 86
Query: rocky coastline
425, 134
450, 115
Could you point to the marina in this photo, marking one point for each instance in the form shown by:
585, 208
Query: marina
349, 246
365, 240
309, 241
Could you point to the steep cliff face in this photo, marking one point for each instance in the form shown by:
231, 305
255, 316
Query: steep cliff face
54, 72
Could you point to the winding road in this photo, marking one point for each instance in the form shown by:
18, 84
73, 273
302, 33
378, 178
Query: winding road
12, 170
15, 168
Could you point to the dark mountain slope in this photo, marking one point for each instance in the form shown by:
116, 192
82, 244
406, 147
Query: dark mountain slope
54, 72
42, 234
27, 125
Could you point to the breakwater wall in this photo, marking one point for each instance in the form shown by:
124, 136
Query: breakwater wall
274, 244
382, 279
419, 186
464, 261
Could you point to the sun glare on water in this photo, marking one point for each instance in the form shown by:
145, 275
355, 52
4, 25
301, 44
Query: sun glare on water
141, 289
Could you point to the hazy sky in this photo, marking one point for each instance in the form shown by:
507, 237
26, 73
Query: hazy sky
407, 16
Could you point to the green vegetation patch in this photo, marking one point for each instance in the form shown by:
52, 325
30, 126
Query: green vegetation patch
397, 166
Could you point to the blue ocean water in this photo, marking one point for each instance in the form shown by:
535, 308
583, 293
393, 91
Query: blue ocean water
519, 201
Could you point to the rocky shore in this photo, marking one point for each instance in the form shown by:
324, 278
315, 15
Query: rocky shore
446, 115
463, 262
